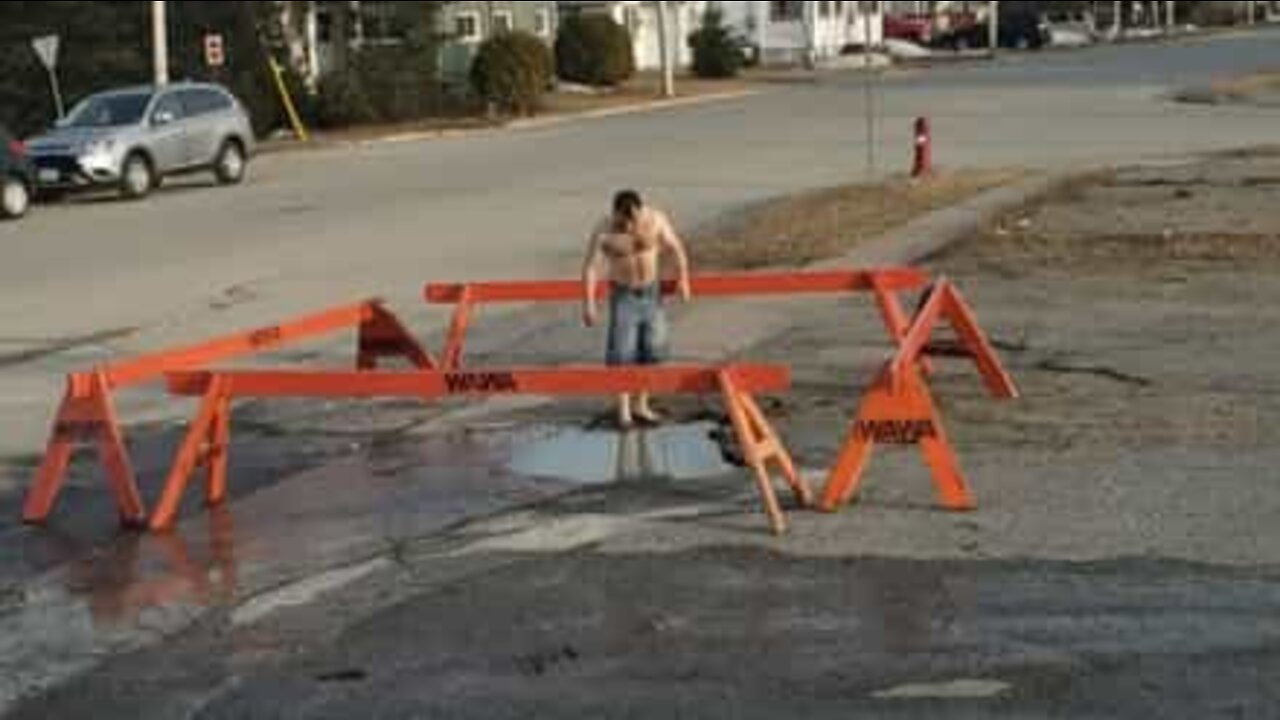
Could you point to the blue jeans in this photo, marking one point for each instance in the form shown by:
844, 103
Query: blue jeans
637, 326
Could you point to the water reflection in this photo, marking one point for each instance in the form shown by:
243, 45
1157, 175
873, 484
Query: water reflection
591, 457
145, 571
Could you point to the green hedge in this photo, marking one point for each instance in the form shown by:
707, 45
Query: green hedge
594, 50
513, 71
716, 51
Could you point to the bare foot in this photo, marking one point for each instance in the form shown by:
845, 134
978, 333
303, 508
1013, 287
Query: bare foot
649, 417
626, 424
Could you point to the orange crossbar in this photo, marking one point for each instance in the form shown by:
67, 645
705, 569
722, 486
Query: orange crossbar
562, 381
149, 367
726, 285
207, 441
885, 283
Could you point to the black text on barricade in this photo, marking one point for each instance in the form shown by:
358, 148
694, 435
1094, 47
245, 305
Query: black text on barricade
896, 432
480, 382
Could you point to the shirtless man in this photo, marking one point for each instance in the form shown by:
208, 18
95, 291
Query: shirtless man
630, 243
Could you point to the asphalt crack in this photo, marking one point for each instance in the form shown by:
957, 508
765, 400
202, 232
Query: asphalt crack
50, 347
1102, 371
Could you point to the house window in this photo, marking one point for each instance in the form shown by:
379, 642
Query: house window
503, 22
466, 27
324, 26
382, 22
542, 22
786, 10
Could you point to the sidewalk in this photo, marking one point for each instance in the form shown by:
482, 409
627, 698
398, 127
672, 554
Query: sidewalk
562, 107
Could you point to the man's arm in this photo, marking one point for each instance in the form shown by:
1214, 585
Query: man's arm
672, 242
590, 279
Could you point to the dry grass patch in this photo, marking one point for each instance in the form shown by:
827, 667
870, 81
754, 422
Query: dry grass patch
798, 230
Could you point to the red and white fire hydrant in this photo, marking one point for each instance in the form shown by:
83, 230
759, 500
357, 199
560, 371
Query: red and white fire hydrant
923, 164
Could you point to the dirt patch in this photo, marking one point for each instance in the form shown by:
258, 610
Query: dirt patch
798, 230
1261, 88
1145, 221
1251, 86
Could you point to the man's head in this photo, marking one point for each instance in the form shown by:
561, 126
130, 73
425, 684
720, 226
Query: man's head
626, 210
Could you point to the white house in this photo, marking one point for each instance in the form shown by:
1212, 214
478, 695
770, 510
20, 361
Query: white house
463, 27
641, 20
784, 31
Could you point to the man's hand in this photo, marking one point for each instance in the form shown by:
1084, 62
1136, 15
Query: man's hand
686, 292
590, 315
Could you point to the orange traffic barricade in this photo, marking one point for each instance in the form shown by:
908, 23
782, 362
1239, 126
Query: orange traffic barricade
883, 283
899, 408
87, 413
207, 441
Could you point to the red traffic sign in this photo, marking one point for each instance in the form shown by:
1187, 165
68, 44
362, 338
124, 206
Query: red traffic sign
214, 52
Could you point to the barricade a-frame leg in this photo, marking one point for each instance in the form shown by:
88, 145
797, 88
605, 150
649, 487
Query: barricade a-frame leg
86, 414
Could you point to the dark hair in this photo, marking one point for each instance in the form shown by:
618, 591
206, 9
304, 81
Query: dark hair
627, 204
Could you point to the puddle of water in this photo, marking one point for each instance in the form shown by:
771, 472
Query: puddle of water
591, 457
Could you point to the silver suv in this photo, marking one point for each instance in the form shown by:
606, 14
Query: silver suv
135, 137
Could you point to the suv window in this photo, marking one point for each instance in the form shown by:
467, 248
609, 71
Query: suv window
169, 104
110, 110
203, 102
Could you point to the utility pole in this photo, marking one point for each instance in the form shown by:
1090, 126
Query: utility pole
807, 11
160, 42
993, 25
1117, 17
664, 47
1171, 9
870, 95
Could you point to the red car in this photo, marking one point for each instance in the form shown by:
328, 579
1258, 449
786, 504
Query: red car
914, 28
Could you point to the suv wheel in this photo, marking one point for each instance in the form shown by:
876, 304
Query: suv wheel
137, 178
15, 198
230, 164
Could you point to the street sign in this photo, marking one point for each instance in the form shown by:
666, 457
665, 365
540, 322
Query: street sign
47, 49
214, 53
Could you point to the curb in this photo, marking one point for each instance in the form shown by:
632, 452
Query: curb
930, 234
554, 120
276, 148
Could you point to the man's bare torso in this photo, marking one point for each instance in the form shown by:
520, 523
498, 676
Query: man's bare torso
633, 258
